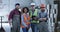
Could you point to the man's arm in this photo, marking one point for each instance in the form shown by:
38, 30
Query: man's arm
39, 16
10, 15
43, 19
22, 21
46, 17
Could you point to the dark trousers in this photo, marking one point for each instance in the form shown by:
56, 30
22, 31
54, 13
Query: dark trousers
43, 27
34, 27
25, 29
15, 24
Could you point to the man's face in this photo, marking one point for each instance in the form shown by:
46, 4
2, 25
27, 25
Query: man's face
32, 6
17, 6
42, 9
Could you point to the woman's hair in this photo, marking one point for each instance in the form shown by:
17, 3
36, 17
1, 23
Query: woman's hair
25, 8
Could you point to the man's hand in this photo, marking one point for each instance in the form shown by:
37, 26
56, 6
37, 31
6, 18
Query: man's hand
10, 22
41, 19
44, 19
34, 18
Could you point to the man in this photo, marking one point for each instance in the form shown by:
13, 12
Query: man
43, 27
34, 15
15, 18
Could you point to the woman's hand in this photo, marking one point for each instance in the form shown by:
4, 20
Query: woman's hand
27, 23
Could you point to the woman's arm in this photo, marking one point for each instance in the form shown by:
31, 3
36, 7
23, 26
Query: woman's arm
22, 21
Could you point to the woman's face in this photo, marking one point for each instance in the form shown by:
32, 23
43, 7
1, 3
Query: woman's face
25, 10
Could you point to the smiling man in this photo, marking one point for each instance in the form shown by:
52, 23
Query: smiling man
15, 18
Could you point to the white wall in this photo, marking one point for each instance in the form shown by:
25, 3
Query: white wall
4, 9
38, 2
23, 3
7, 5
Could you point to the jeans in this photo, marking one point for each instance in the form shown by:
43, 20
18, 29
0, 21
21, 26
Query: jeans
34, 27
25, 29
43, 27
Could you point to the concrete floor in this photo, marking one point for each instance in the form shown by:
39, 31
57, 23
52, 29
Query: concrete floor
7, 27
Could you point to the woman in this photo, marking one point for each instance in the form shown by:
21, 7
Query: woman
25, 20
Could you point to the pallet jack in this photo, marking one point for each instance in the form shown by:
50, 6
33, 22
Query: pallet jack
1, 29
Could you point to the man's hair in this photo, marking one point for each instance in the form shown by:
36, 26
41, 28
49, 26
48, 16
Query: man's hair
17, 4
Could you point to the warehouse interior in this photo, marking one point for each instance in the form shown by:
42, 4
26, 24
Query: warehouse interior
52, 6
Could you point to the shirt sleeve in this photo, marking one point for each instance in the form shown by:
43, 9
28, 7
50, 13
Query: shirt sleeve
22, 19
46, 15
10, 15
39, 14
